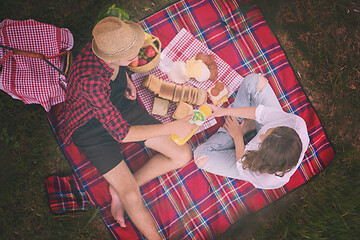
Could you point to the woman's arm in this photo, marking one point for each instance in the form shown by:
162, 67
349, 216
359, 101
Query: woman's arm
239, 148
247, 112
236, 131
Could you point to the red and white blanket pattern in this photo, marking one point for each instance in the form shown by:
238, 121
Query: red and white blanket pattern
30, 79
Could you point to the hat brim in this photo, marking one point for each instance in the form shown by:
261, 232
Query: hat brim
134, 49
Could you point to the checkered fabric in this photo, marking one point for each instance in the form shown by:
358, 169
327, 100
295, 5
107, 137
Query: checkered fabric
189, 203
28, 79
183, 47
66, 194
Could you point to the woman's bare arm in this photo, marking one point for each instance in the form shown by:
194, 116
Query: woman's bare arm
247, 112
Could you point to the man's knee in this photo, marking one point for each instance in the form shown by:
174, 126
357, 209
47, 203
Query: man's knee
179, 155
200, 161
183, 157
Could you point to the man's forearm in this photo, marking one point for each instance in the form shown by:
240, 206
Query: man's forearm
144, 132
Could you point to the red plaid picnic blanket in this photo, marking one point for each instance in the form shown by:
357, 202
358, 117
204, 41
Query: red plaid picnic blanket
66, 194
189, 203
30, 79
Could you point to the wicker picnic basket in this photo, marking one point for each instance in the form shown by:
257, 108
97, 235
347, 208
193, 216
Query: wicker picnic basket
156, 44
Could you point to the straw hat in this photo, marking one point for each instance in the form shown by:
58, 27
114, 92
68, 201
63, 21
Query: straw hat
114, 39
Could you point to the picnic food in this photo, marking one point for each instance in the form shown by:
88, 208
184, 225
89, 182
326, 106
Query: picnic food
142, 62
160, 107
205, 74
150, 51
201, 67
174, 92
206, 110
218, 93
209, 61
146, 54
178, 72
134, 63
182, 110
193, 68
197, 69
199, 118
149, 55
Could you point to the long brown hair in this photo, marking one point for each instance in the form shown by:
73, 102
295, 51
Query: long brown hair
278, 152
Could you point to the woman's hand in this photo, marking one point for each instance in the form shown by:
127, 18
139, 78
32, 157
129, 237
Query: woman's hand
216, 111
130, 92
234, 128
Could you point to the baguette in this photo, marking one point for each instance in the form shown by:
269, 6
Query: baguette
201, 98
146, 82
167, 90
174, 92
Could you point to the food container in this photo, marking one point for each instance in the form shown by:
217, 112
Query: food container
150, 40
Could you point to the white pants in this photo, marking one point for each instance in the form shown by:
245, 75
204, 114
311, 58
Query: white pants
220, 148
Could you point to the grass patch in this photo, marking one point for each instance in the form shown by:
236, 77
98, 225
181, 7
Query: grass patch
321, 39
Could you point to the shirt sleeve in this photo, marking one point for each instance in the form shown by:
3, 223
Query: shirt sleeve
97, 92
272, 117
269, 115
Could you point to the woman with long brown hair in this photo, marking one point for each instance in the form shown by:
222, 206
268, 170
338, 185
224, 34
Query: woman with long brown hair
272, 156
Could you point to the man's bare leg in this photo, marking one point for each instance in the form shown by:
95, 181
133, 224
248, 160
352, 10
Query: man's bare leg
117, 207
123, 182
170, 157
176, 157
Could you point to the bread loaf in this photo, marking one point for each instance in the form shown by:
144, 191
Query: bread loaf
174, 92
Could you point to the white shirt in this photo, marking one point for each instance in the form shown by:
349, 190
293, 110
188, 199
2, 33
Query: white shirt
271, 118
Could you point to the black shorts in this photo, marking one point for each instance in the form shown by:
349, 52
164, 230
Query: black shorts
99, 147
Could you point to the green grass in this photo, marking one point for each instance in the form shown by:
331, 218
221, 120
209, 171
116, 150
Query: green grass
321, 39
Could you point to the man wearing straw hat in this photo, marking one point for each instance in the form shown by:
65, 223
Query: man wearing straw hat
101, 111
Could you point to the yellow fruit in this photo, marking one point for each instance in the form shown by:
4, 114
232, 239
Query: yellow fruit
206, 110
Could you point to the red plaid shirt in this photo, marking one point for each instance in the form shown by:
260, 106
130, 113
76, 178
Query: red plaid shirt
88, 96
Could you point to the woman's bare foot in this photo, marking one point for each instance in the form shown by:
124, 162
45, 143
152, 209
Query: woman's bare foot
117, 208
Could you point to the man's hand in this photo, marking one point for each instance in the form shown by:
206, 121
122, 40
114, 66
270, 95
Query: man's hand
182, 127
130, 92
